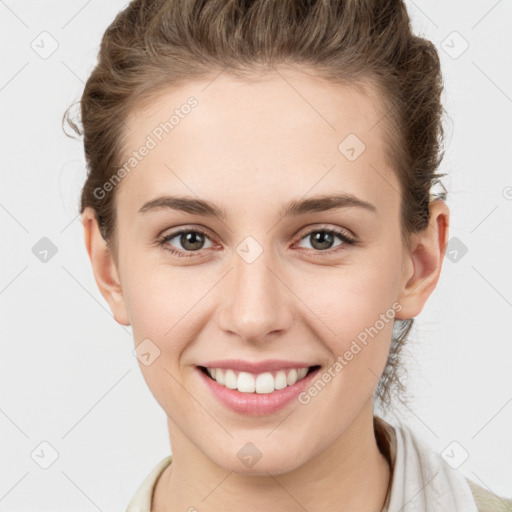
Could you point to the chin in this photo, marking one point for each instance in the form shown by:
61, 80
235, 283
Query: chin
251, 461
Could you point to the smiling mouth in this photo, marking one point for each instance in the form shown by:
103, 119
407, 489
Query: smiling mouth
263, 383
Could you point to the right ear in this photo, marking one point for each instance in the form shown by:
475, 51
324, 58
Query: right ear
104, 267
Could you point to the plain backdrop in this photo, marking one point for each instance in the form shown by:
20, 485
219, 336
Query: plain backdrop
72, 394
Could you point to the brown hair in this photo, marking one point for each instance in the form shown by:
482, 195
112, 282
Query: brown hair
154, 44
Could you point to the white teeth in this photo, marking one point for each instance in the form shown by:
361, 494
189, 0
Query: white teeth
262, 383
292, 377
265, 383
280, 380
230, 380
246, 382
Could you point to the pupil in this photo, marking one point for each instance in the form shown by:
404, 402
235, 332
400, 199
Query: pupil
189, 239
323, 239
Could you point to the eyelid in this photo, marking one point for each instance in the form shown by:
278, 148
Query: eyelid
325, 227
185, 229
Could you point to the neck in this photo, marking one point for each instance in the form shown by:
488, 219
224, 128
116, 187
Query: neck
351, 474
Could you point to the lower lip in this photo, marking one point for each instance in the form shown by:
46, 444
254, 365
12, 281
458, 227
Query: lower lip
257, 404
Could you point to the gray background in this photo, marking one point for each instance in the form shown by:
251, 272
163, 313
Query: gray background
68, 375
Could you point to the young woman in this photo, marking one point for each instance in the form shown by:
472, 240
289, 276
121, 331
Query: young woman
259, 209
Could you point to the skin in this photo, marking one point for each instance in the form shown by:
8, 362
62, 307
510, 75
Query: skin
250, 147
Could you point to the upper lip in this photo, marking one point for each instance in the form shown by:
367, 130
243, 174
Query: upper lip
269, 365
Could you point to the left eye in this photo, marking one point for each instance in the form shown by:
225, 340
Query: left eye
323, 239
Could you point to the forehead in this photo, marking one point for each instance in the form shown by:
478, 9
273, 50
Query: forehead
282, 134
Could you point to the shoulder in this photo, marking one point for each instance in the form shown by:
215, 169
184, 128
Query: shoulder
487, 501
414, 463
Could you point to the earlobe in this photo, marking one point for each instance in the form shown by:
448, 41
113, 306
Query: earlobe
104, 268
426, 259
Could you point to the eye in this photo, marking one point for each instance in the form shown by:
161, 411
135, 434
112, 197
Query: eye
322, 240
191, 240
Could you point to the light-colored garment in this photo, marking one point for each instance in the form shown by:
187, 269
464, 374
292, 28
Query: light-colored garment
421, 481
141, 501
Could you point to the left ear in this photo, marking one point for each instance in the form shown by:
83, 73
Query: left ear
424, 261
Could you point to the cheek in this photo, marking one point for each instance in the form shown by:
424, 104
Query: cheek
355, 323
169, 306
347, 299
354, 319
160, 303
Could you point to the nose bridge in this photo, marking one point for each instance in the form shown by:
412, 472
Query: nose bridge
256, 304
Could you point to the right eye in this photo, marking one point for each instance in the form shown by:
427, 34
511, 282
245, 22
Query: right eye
191, 241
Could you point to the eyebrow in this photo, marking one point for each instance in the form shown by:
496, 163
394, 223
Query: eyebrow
293, 208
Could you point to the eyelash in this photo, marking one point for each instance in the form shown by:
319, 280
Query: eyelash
347, 240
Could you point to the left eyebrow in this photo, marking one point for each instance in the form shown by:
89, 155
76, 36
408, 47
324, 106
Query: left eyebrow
324, 203
293, 208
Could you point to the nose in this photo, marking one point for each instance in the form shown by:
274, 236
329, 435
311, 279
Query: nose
257, 302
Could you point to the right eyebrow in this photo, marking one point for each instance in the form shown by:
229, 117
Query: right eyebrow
185, 204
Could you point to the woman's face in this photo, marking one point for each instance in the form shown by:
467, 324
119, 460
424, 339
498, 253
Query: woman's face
262, 281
